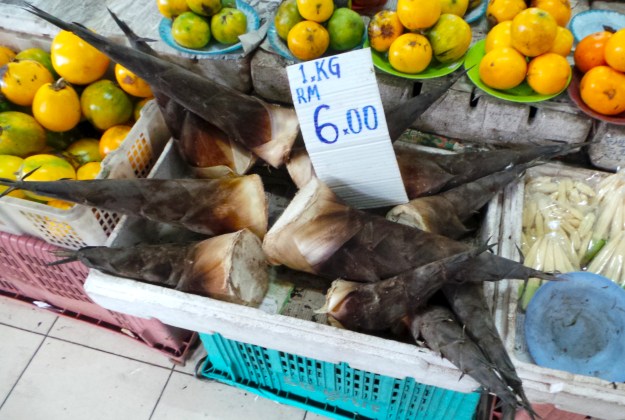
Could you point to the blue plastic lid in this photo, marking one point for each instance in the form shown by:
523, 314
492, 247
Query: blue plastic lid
578, 325
591, 21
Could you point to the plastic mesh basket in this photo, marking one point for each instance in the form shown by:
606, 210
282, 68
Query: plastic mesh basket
334, 390
25, 275
81, 225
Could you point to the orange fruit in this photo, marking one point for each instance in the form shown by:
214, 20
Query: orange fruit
104, 104
563, 42
548, 73
131, 83
88, 171
56, 106
418, 14
136, 112
228, 25
6, 55
533, 32
191, 30
615, 50
499, 11
384, 28
308, 40
315, 10
204, 8
84, 151
286, 17
450, 38
503, 68
48, 168
10, 168
454, 7
410, 53
559, 9
172, 8
590, 51
603, 89
21, 80
20, 134
60, 204
112, 138
75, 60
499, 36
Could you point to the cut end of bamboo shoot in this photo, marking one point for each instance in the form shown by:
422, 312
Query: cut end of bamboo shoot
230, 267
300, 168
409, 216
336, 295
309, 204
284, 130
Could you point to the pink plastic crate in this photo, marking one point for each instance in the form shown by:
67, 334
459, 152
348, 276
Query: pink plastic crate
24, 275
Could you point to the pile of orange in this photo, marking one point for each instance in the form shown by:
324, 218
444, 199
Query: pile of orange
420, 31
601, 57
527, 44
311, 27
58, 114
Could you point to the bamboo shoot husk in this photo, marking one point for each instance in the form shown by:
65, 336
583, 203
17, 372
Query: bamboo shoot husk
210, 152
320, 235
447, 212
379, 306
230, 267
206, 206
442, 333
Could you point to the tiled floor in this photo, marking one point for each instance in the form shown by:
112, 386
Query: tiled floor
56, 368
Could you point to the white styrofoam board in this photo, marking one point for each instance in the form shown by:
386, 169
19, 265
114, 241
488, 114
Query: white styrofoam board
277, 332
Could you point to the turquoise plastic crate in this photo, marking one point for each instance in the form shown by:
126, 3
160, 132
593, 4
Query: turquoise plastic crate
333, 390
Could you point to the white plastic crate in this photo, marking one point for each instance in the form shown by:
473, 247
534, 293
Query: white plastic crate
81, 225
567, 391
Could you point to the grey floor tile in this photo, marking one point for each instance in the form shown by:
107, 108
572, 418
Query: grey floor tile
17, 347
26, 316
188, 398
80, 332
66, 381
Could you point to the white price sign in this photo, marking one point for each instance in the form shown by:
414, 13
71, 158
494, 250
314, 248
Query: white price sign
342, 121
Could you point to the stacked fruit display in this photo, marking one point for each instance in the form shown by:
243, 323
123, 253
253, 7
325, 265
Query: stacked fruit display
59, 116
520, 34
436, 31
311, 27
601, 58
196, 22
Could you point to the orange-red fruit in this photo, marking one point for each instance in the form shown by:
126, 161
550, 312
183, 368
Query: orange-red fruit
603, 89
590, 51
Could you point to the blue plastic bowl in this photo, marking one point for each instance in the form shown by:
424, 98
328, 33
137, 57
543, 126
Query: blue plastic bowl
591, 21
578, 325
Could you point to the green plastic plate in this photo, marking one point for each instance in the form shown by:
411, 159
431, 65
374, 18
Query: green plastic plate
435, 69
521, 93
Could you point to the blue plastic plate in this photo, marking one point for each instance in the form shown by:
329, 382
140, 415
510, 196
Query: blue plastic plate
280, 47
591, 21
578, 326
213, 47
477, 13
